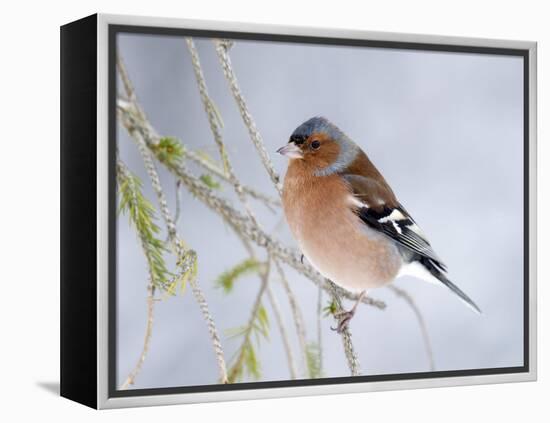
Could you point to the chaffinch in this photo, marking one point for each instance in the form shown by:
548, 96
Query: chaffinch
346, 218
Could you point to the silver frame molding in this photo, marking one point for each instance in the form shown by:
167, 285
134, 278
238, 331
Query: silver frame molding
103, 400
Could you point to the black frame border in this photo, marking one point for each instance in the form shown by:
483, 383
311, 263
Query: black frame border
114, 29
78, 211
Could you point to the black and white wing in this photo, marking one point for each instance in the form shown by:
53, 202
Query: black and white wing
377, 207
397, 224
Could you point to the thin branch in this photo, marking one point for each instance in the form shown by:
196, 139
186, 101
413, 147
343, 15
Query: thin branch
209, 107
150, 317
319, 326
296, 314
216, 343
161, 197
214, 123
126, 81
178, 202
351, 356
274, 306
255, 136
421, 322
237, 367
146, 341
282, 328
178, 206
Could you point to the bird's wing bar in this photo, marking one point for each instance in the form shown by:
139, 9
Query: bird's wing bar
392, 220
397, 225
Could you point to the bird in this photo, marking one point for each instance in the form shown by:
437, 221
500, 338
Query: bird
347, 220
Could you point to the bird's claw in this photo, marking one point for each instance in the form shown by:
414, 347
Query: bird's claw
344, 317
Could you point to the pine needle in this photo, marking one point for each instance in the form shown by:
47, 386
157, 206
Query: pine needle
209, 181
227, 279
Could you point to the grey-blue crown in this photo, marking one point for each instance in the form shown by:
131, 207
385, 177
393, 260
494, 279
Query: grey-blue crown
318, 124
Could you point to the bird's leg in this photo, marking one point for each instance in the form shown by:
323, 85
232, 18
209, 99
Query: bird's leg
345, 316
302, 259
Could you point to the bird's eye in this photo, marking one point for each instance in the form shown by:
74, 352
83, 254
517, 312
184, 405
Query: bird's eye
315, 144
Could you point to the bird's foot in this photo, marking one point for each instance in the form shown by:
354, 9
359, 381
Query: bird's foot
345, 316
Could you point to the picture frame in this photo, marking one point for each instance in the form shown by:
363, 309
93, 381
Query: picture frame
89, 119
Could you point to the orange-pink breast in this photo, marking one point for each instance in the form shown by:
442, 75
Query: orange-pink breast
331, 235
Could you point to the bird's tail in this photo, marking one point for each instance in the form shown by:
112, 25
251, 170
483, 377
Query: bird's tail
440, 276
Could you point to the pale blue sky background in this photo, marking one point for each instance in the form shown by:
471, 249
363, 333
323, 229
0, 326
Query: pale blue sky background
446, 131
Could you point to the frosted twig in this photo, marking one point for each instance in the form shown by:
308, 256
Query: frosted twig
147, 338
255, 136
282, 328
296, 314
214, 122
209, 107
128, 86
421, 322
178, 207
216, 343
178, 202
351, 356
319, 327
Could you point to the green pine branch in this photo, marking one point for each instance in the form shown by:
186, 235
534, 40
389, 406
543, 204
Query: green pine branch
227, 279
245, 362
169, 150
142, 216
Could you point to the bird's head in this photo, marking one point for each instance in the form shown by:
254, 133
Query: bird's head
320, 145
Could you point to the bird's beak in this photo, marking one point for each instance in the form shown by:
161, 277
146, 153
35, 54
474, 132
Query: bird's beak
291, 150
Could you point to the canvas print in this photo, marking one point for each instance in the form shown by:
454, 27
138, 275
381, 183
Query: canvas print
304, 212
